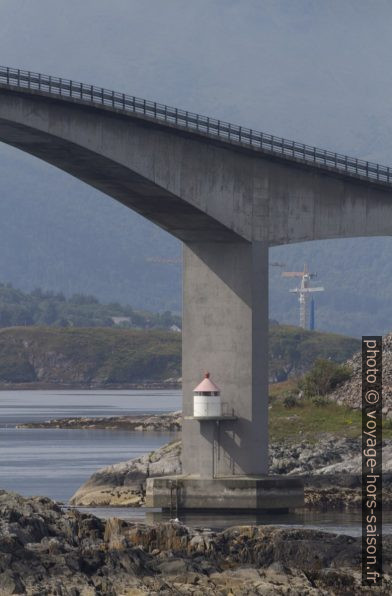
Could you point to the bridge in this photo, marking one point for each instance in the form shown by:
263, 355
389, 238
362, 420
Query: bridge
228, 193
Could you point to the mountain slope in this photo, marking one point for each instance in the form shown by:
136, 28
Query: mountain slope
99, 356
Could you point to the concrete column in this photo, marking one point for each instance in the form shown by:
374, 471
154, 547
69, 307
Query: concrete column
225, 331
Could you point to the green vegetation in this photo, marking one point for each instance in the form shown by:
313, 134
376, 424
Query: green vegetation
294, 350
308, 419
299, 407
88, 356
18, 308
99, 355
323, 378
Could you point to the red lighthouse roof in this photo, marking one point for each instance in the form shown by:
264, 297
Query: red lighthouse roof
206, 385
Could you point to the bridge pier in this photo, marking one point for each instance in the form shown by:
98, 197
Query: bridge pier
225, 331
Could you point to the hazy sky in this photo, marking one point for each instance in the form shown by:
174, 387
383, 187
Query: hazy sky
313, 70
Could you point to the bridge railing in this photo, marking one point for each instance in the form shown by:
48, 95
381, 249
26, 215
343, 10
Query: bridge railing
183, 119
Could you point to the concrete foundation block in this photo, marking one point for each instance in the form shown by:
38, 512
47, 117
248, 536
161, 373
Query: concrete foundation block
257, 493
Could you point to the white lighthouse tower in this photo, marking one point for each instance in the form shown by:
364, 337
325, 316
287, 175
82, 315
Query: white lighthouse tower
207, 399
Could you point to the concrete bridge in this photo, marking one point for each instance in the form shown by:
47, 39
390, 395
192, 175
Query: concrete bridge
228, 193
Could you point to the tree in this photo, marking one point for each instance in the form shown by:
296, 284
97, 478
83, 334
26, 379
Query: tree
324, 377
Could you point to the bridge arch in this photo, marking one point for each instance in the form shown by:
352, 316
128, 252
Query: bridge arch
198, 178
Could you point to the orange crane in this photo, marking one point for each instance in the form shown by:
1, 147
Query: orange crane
304, 290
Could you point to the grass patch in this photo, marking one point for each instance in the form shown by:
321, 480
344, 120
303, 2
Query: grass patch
308, 420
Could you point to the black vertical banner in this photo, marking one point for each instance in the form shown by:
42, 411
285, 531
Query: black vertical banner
371, 460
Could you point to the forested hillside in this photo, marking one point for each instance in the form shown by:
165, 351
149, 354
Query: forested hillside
19, 308
99, 357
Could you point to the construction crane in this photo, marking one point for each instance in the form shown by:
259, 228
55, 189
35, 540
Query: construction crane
304, 292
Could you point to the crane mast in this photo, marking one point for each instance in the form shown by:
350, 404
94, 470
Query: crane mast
304, 291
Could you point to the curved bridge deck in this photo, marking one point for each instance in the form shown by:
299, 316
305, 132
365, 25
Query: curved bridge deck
216, 129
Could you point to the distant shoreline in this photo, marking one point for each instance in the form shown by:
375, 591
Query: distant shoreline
170, 422
147, 385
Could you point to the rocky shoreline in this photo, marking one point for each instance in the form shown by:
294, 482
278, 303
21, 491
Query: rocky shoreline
331, 467
47, 551
170, 422
331, 470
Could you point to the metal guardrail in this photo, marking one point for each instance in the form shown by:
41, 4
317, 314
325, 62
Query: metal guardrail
194, 122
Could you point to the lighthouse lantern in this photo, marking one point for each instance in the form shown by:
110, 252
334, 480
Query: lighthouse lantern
207, 399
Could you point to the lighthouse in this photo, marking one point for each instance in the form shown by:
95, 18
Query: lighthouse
207, 399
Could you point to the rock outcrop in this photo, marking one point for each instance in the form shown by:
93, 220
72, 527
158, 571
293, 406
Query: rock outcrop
350, 393
338, 461
46, 551
124, 484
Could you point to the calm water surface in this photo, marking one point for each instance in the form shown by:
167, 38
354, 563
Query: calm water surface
55, 462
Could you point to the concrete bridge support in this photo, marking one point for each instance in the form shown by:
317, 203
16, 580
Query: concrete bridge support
225, 331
